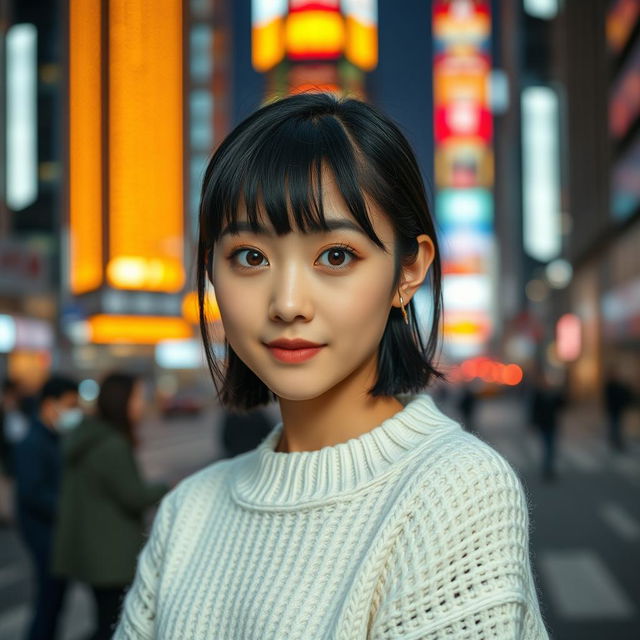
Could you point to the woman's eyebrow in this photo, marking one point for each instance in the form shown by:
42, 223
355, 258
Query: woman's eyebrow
240, 226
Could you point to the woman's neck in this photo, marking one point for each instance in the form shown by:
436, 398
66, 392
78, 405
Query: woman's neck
344, 412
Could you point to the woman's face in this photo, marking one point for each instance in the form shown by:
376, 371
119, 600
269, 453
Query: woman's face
136, 403
330, 288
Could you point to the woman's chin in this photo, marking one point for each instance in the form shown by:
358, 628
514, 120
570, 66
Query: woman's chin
296, 392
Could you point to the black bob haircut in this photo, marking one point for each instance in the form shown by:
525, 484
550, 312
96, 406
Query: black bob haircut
272, 162
113, 402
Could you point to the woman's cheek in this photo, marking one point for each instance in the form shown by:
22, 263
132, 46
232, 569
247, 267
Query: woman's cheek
367, 305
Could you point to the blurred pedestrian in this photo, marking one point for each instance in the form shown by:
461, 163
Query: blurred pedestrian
13, 428
546, 402
37, 464
13, 422
103, 499
617, 397
467, 405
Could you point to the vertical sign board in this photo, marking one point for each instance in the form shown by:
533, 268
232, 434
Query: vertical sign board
21, 114
85, 147
463, 128
145, 145
140, 170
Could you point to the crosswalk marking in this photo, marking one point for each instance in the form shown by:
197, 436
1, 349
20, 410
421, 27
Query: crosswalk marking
620, 521
586, 456
581, 460
581, 586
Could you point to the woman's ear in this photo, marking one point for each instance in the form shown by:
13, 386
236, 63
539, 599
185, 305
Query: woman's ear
414, 274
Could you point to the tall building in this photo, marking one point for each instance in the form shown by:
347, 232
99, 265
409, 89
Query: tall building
568, 167
147, 102
109, 112
30, 188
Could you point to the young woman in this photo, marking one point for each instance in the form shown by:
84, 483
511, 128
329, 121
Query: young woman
366, 512
103, 500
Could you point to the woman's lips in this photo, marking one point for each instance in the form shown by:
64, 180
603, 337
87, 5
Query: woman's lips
293, 356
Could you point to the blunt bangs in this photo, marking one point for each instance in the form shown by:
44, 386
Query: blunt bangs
280, 173
272, 165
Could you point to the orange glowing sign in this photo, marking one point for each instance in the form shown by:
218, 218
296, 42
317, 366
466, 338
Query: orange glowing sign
362, 33
145, 145
112, 329
461, 78
267, 33
85, 147
314, 35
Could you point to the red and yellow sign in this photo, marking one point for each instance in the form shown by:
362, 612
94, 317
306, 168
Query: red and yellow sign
303, 30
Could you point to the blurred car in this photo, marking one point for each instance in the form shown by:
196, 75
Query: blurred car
183, 403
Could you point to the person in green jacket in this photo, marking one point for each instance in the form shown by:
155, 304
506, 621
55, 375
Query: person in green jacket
100, 526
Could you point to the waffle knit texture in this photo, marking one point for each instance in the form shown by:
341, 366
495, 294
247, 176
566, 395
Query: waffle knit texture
416, 529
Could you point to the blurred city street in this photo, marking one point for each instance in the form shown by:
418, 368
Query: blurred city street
128, 164
589, 587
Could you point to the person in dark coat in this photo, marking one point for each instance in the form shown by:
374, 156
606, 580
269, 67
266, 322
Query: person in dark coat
37, 466
617, 397
467, 405
546, 402
100, 528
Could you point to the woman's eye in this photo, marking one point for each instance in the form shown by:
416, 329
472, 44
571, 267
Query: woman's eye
248, 258
338, 257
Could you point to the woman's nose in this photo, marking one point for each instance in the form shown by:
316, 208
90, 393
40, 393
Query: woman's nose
290, 296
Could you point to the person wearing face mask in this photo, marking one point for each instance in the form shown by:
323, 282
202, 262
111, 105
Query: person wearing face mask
37, 465
103, 499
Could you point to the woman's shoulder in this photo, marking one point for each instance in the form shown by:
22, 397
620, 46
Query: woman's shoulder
463, 467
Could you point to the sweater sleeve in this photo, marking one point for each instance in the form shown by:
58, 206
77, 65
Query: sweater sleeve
460, 567
137, 619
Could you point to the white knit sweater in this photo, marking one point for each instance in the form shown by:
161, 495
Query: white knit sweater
416, 529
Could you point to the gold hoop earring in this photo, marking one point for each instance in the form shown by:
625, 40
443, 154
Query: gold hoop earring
404, 312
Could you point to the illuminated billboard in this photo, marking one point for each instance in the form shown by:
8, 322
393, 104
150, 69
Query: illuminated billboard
126, 212
21, 117
463, 134
305, 35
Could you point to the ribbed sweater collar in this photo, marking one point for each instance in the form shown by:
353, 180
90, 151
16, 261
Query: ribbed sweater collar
266, 478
